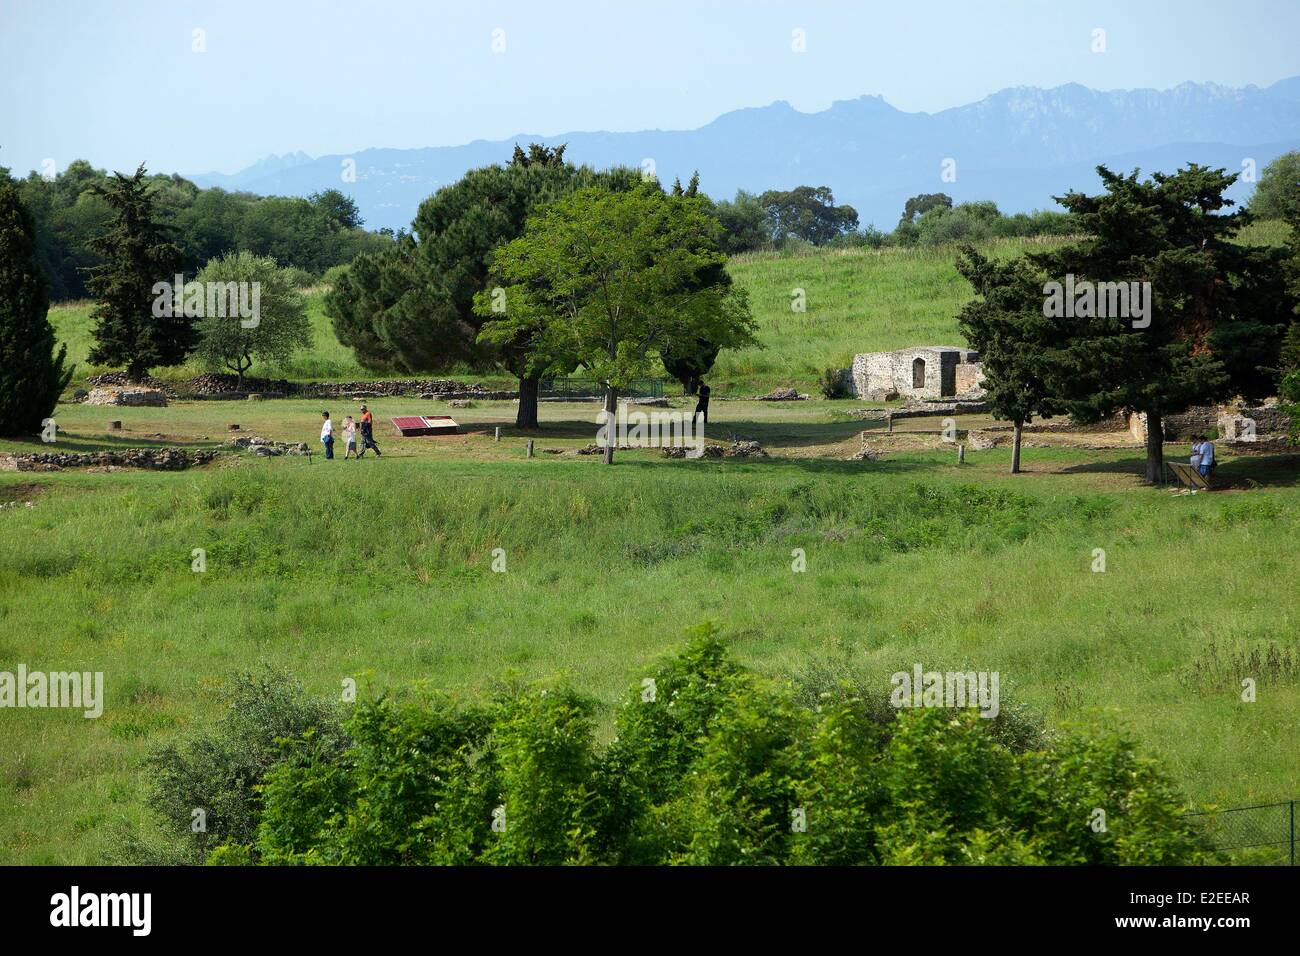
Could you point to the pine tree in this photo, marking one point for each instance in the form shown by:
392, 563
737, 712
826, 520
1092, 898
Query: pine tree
1217, 309
137, 255
1007, 327
31, 375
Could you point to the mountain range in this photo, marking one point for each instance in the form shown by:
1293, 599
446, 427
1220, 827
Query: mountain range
1017, 147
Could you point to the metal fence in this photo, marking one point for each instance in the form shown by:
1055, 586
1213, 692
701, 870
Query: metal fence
1262, 835
590, 388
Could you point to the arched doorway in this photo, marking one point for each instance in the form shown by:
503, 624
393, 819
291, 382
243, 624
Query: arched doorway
918, 373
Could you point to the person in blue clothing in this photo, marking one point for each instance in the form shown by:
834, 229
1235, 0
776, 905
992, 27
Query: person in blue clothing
327, 434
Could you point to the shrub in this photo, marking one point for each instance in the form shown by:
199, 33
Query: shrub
711, 765
218, 770
834, 384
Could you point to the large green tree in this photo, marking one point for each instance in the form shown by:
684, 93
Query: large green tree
1015, 340
277, 329
411, 308
1278, 188
612, 279
1218, 309
31, 374
137, 253
808, 213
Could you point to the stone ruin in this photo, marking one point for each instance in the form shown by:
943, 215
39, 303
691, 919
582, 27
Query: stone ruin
923, 372
131, 395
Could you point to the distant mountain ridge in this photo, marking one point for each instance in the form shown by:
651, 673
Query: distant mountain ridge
1018, 147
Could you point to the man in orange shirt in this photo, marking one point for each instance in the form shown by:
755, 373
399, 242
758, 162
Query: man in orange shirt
367, 433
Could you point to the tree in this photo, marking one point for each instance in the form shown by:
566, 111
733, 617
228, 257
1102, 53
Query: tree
31, 375
807, 213
919, 205
1217, 310
1007, 327
279, 328
1278, 188
412, 307
137, 254
744, 225
337, 209
612, 278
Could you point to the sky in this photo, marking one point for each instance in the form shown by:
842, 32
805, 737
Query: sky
195, 86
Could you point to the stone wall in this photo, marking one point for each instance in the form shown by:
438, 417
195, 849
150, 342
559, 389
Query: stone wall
877, 376
157, 459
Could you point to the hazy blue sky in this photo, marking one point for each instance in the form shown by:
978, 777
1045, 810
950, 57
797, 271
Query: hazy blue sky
117, 81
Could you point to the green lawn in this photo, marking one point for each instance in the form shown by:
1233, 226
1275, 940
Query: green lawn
379, 570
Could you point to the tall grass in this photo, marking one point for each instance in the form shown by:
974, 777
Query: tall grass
382, 573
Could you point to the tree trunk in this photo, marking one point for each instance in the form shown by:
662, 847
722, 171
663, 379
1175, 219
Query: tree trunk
527, 415
135, 374
1155, 449
692, 386
1015, 447
611, 408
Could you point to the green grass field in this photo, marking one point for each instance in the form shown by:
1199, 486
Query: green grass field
380, 570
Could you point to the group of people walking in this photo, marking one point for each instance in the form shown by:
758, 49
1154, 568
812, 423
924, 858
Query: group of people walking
350, 429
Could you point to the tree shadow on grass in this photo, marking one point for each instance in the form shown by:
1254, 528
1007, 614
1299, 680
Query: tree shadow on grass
1233, 474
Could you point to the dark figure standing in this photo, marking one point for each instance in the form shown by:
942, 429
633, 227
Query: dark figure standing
702, 407
367, 434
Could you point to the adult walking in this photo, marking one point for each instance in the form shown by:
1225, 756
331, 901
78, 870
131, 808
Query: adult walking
702, 405
327, 434
367, 433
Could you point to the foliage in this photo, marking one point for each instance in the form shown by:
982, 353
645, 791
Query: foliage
311, 234
1278, 189
281, 321
807, 213
137, 254
1218, 309
711, 765
219, 770
32, 374
834, 385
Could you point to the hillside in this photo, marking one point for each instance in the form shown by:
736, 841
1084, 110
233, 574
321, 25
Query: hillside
858, 300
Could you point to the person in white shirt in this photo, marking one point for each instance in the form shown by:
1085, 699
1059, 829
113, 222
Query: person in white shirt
1195, 460
327, 434
1207, 456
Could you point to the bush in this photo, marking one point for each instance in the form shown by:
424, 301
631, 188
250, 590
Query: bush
710, 765
218, 771
834, 384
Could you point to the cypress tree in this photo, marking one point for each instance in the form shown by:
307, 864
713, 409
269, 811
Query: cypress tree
1007, 327
31, 375
137, 254
1218, 310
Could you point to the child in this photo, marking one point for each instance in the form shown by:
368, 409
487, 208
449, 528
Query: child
349, 438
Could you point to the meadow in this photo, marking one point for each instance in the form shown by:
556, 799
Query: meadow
381, 570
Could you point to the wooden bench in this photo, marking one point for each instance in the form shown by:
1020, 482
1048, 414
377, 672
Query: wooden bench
1189, 477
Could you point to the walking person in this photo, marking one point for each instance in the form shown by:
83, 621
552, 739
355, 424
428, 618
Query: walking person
367, 433
702, 406
327, 435
349, 438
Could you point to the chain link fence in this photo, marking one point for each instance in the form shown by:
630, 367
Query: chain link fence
1262, 835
